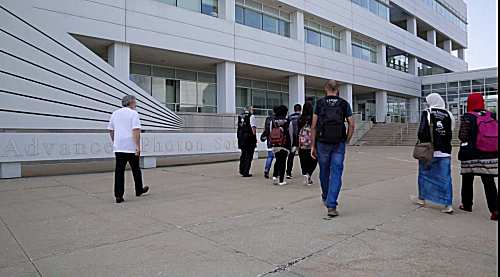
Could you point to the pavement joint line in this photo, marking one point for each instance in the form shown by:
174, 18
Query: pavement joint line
25, 253
292, 263
32, 188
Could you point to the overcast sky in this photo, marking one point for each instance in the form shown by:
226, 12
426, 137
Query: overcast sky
483, 39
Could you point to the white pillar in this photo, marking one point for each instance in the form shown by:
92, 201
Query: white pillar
346, 93
382, 54
10, 170
147, 162
381, 106
432, 37
226, 88
461, 54
297, 93
227, 10
448, 46
411, 25
297, 27
414, 112
413, 65
119, 58
346, 42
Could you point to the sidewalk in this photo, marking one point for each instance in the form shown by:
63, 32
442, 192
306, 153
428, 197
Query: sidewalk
204, 220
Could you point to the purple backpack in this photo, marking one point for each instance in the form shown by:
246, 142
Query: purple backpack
487, 133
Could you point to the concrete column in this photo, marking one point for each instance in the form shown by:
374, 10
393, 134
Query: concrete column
413, 65
381, 106
432, 37
382, 54
346, 93
346, 42
448, 46
461, 54
226, 88
297, 93
297, 27
227, 10
10, 170
119, 58
411, 25
147, 162
414, 112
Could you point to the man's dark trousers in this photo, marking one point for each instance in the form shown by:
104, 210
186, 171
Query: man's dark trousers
289, 163
121, 162
246, 160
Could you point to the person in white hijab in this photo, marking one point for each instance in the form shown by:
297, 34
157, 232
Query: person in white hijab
435, 100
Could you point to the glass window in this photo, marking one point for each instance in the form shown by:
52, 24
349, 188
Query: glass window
163, 72
192, 5
253, 19
259, 101
172, 94
242, 97
327, 41
240, 18
140, 69
144, 82
210, 7
270, 24
313, 37
284, 28
273, 99
159, 89
207, 95
491, 80
453, 85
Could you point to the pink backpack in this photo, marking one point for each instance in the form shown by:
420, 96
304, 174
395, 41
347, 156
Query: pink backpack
487, 133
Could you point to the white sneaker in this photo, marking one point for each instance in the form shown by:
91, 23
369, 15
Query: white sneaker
310, 181
417, 200
447, 210
275, 181
306, 180
282, 183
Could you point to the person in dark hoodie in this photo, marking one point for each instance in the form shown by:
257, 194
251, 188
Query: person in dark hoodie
479, 153
294, 129
280, 141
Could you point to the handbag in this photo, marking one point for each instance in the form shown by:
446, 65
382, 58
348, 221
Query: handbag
424, 151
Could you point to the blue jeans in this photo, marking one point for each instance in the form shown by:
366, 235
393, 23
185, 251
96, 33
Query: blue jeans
269, 161
331, 165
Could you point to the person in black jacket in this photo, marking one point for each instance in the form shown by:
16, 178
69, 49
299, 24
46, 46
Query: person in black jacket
280, 141
434, 179
247, 140
294, 128
475, 162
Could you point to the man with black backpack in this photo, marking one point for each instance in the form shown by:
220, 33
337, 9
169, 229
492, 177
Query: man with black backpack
329, 137
247, 140
294, 131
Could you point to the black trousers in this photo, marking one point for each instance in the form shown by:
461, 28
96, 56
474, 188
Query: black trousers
280, 164
307, 163
490, 189
246, 159
121, 162
289, 163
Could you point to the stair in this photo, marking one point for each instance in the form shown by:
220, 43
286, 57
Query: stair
395, 134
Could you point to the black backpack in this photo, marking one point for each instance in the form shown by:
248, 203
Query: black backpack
245, 132
331, 120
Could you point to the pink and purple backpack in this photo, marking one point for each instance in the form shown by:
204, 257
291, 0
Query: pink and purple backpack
487, 133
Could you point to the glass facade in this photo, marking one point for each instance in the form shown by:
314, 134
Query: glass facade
397, 108
262, 95
455, 93
399, 62
440, 10
321, 35
208, 7
255, 14
179, 90
376, 7
364, 50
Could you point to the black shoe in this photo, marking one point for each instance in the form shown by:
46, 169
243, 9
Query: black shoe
144, 191
247, 175
266, 175
119, 200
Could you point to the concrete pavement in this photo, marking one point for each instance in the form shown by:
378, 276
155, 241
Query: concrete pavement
204, 220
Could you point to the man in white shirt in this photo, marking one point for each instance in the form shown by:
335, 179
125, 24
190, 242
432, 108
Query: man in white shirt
125, 131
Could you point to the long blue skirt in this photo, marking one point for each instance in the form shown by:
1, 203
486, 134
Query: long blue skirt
434, 181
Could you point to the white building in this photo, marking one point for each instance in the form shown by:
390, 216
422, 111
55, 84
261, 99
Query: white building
65, 63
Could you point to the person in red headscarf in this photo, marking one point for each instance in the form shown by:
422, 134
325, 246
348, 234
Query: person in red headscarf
477, 153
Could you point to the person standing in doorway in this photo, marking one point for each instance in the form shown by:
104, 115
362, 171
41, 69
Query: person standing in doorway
125, 131
294, 129
434, 177
247, 140
329, 139
479, 153
307, 163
